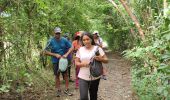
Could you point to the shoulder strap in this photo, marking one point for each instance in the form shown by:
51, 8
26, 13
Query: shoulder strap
96, 49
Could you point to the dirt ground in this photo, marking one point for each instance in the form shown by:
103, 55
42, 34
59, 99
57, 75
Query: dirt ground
116, 87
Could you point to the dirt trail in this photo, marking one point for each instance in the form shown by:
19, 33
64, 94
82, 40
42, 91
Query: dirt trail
118, 84
116, 87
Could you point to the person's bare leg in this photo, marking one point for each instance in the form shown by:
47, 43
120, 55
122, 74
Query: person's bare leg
57, 84
66, 85
66, 80
57, 81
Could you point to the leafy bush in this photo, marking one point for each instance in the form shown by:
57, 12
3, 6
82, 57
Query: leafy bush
151, 63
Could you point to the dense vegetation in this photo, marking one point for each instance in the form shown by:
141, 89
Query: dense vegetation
25, 26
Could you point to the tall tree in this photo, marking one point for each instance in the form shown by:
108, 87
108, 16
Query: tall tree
133, 17
118, 9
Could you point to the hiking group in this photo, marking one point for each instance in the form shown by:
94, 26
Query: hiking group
64, 53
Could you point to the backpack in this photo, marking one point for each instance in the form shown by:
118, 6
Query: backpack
63, 64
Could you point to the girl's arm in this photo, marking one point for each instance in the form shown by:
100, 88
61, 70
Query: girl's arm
103, 58
81, 63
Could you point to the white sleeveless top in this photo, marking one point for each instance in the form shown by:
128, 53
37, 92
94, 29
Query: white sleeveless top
85, 55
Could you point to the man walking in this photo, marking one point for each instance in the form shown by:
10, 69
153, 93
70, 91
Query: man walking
58, 47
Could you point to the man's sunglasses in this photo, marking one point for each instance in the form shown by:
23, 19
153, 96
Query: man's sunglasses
57, 33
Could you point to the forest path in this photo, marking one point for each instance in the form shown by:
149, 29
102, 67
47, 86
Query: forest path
116, 87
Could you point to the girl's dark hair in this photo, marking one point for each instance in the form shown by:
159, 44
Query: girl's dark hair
77, 38
89, 35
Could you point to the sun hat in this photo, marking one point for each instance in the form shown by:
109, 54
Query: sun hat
63, 63
57, 30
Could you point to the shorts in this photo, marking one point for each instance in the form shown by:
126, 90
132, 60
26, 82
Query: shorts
56, 69
69, 62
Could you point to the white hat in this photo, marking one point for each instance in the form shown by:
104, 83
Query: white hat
96, 32
57, 30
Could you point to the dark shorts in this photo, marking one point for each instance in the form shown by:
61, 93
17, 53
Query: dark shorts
69, 62
56, 67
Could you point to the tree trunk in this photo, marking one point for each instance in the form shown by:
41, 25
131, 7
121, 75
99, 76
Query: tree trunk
117, 8
29, 35
133, 17
1, 45
2, 51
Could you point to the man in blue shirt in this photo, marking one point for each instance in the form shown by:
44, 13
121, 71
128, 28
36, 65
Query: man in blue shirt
58, 47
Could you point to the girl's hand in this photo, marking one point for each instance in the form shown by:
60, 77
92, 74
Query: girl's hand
98, 58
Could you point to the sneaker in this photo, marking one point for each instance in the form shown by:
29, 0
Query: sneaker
67, 92
58, 93
70, 80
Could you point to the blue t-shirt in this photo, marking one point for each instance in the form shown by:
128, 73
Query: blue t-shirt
58, 46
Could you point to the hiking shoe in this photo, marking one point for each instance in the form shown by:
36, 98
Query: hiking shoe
67, 92
70, 80
58, 93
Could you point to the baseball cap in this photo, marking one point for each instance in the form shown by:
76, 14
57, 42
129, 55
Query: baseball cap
77, 34
96, 32
57, 30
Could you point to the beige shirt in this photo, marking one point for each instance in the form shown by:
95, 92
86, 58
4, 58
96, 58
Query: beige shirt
85, 55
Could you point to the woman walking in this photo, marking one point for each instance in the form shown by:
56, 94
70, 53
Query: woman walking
87, 83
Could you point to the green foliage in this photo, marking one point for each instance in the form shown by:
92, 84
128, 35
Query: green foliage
26, 25
151, 60
5, 88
